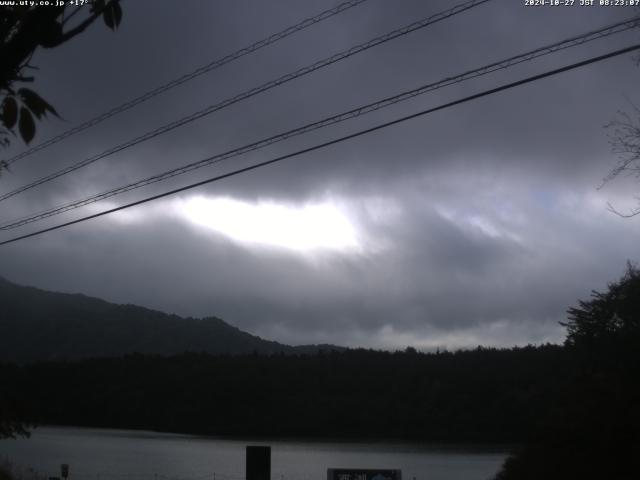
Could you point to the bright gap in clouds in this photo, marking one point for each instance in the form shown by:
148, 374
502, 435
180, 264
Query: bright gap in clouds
301, 228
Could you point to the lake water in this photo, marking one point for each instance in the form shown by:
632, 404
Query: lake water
96, 454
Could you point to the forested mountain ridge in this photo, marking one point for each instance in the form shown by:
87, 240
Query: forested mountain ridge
38, 325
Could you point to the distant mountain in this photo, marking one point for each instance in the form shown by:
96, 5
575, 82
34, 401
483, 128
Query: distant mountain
41, 325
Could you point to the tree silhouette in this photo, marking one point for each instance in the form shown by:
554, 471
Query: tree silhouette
10, 425
607, 318
593, 431
24, 29
624, 138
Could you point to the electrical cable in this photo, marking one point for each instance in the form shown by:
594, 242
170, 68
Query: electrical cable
353, 113
334, 141
253, 91
190, 76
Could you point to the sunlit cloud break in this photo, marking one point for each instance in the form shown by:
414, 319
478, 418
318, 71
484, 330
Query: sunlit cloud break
301, 228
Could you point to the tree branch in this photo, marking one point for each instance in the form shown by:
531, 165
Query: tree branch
632, 213
78, 29
71, 15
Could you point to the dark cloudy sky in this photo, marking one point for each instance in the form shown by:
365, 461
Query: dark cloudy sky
478, 224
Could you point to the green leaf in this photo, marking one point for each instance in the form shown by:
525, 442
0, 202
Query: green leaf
27, 125
9, 112
34, 102
112, 14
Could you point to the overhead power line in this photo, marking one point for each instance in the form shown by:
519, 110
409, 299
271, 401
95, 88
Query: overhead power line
335, 141
190, 76
353, 113
255, 91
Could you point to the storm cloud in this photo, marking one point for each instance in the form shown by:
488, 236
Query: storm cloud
479, 224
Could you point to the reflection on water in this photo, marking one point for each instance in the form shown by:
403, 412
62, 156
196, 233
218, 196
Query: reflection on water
137, 455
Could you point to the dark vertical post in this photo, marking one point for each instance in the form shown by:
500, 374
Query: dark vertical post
258, 463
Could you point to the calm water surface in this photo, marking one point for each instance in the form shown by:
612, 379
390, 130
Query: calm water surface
96, 454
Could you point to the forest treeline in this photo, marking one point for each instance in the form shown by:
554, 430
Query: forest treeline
484, 395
